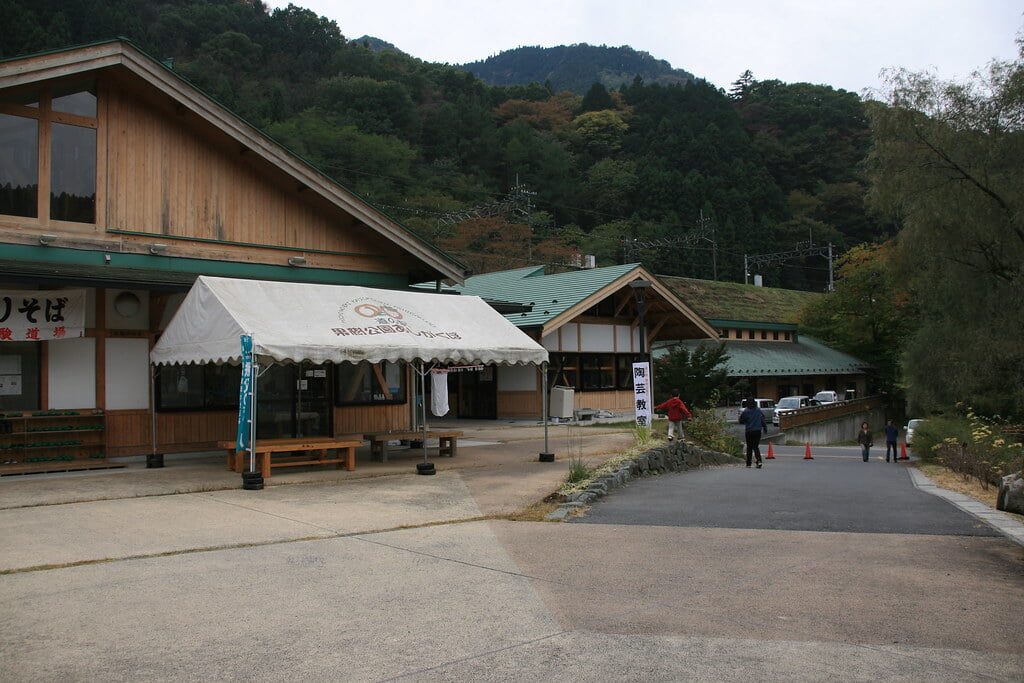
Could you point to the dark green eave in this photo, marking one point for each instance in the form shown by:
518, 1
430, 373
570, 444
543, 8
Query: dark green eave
782, 359
752, 325
80, 268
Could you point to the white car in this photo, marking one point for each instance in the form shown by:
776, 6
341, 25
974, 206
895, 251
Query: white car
789, 403
767, 407
911, 426
826, 397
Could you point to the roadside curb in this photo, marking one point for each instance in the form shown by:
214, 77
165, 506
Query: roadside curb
677, 456
1000, 521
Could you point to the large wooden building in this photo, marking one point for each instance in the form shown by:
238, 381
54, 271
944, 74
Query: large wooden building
120, 183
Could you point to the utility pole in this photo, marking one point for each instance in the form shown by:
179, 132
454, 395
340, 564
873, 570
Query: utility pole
803, 250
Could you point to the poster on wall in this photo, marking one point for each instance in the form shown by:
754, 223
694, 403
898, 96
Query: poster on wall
42, 315
641, 393
10, 385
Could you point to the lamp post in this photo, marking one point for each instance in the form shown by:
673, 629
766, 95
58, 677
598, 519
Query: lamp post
640, 288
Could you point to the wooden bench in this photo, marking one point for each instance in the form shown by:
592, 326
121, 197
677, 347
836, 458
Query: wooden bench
317, 447
448, 441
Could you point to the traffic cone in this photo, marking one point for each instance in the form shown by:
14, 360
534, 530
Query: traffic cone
807, 453
903, 451
771, 453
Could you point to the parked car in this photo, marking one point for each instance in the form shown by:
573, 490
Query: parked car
911, 426
767, 407
826, 397
790, 403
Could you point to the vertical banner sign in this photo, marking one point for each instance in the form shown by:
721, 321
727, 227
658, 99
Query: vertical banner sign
245, 395
641, 393
41, 315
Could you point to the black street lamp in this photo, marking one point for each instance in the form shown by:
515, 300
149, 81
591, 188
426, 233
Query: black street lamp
640, 288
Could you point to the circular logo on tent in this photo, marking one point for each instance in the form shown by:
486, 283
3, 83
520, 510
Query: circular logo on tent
373, 311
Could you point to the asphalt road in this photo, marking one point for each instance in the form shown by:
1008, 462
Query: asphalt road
834, 491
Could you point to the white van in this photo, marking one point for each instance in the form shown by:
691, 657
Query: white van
767, 407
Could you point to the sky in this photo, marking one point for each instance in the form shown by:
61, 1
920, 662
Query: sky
842, 43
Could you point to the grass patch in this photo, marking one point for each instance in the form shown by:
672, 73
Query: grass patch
652, 440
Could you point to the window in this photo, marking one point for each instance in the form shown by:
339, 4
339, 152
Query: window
369, 383
787, 337
198, 387
764, 334
19, 166
624, 370
723, 333
563, 370
73, 173
19, 375
598, 371
775, 335
750, 334
60, 125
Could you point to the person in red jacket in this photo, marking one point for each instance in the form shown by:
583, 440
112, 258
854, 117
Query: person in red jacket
677, 410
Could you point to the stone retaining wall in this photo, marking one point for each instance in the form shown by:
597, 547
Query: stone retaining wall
677, 456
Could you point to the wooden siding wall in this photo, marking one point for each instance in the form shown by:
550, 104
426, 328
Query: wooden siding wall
528, 403
163, 177
519, 404
360, 419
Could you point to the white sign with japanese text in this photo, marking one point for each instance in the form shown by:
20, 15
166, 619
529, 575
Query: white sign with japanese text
42, 315
642, 393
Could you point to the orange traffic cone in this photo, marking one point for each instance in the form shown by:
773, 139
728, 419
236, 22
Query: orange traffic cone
771, 453
807, 453
903, 451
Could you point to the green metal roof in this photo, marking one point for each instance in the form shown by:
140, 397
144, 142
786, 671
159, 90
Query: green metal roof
804, 357
548, 295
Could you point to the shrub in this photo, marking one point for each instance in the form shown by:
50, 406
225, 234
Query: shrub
972, 446
712, 431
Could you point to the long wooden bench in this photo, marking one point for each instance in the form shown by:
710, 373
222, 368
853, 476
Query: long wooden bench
315, 447
448, 441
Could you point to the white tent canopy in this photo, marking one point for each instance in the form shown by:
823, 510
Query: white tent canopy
333, 323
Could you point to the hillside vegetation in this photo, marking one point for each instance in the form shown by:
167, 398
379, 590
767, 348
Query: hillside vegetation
604, 172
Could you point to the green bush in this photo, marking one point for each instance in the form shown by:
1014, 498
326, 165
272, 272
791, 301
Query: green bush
712, 431
936, 430
971, 445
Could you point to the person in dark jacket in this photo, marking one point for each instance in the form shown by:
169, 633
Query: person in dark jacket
892, 435
865, 440
753, 418
677, 410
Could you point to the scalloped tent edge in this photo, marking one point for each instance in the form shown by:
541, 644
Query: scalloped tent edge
291, 321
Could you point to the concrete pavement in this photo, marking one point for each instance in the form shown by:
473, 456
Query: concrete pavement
290, 583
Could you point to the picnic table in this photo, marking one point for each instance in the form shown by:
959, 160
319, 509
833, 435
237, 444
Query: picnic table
448, 441
306, 451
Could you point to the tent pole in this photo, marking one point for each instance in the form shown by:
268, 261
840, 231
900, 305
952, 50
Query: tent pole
425, 467
547, 455
154, 459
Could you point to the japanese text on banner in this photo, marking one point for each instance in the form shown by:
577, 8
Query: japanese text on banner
642, 393
41, 315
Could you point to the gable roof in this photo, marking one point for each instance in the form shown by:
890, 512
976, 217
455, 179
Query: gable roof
733, 301
122, 54
558, 298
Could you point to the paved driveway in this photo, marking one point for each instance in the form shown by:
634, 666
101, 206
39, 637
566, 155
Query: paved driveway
835, 491
289, 584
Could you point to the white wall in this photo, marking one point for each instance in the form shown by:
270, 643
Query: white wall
127, 370
71, 374
517, 378
597, 338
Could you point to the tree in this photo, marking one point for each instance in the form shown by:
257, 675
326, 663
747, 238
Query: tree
865, 316
946, 162
698, 374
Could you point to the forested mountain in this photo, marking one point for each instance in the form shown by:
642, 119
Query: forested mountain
503, 176
576, 67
